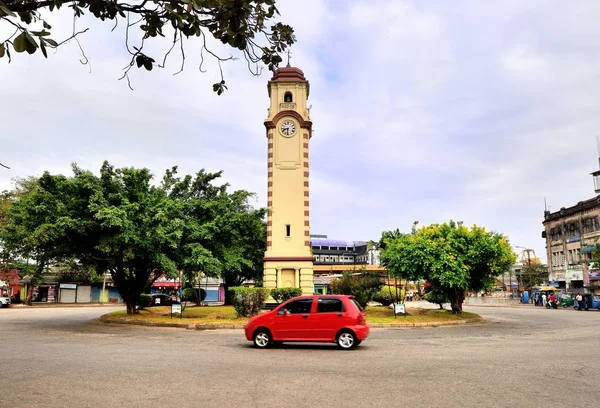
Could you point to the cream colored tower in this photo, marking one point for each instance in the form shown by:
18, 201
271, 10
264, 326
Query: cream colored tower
288, 260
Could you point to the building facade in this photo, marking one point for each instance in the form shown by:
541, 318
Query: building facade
288, 261
571, 236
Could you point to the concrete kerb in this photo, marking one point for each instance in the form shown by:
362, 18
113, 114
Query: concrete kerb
220, 326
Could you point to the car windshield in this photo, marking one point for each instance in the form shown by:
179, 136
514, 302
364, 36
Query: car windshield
357, 305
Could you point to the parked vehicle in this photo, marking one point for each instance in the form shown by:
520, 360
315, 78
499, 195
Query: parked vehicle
321, 318
589, 301
161, 299
4, 300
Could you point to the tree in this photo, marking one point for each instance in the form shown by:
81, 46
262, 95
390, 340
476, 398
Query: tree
364, 286
236, 23
453, 259
223, 236
532, 275
32, 226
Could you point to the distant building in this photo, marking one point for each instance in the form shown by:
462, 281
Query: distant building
571, 235
342, 252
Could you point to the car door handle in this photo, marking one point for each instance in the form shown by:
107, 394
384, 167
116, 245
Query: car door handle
340, 315
305, 317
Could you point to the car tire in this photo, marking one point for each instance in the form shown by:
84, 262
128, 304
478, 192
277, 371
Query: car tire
346, 340
262, 338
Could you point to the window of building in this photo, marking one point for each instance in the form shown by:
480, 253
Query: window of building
288, 230
332, 305
288, 98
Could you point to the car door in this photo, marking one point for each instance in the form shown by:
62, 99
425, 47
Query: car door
330, 316
294, 321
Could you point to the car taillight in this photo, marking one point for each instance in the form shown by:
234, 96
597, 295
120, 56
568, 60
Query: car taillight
361, 318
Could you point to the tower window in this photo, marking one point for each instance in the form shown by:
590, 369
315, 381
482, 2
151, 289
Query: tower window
288, 97
288, 230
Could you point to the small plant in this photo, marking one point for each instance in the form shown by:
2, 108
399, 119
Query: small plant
364, 286
282, 294
191, 295
144, 300
438, 297
386, 298
248, 301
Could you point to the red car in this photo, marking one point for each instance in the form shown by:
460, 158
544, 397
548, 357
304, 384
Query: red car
320, 318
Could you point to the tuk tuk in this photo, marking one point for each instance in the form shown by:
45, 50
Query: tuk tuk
589, 301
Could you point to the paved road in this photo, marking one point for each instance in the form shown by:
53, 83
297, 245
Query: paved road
524, 356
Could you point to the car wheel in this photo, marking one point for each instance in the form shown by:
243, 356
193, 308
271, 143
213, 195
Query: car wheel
347, 340
262, 338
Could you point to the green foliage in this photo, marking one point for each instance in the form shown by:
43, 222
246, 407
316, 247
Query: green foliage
438, 297
191, 295
363, 286
72, 271
144, 300
532, 275
387, 295
120, 222
222, 235
282, 294
240, 24
453, 258
248, 301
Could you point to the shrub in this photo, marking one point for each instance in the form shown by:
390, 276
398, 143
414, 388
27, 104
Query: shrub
438, 297
364, 287
248, 301
385, 298
144, 300
282, 294
191, 295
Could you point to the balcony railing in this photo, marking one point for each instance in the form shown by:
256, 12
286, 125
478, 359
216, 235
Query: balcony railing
287, 106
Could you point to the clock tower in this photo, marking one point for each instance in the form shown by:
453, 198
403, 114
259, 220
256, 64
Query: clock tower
288, 261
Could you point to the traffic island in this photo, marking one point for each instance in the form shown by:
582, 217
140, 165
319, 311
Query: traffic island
224, 317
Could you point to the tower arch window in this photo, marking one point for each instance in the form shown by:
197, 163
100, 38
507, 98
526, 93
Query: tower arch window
288, 97
288, 230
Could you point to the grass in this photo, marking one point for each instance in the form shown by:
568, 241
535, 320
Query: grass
382, 314
213, 315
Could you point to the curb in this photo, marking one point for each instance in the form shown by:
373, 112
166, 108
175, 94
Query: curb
202, 326
64, 305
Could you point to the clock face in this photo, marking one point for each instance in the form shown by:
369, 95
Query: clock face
288, 128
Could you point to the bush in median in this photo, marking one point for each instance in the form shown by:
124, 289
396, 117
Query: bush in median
282, 294
248, 301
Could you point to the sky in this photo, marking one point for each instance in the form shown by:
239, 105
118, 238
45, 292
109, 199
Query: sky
422, 111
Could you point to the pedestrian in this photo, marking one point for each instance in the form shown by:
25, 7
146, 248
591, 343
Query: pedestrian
544, 299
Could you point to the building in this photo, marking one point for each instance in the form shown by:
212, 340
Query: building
288, 261
338, 252
571, 235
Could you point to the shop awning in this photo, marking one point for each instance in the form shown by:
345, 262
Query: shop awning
587, 249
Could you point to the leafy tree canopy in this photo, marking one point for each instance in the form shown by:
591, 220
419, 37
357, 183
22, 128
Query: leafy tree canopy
453, 259
245, 25
121, 223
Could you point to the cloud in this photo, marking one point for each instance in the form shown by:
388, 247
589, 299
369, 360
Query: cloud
422, 111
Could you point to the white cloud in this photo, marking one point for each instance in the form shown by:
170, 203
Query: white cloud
422, 111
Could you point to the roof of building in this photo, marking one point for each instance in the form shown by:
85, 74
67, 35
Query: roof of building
288, 74
336, 242
573, 210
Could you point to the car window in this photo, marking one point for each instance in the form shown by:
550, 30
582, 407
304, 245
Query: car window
358, 306
299, 306
325, 305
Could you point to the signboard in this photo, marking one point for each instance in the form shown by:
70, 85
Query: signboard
399, 308
68, 286
176, 308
